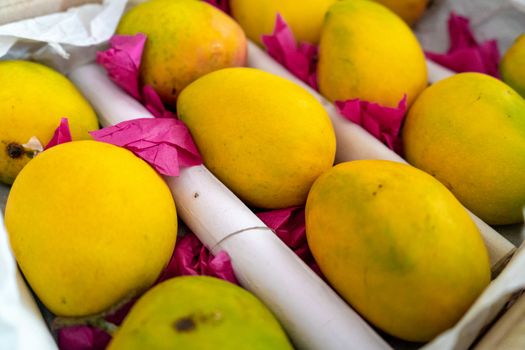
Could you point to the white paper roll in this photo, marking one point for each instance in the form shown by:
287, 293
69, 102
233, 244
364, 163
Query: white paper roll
21, 324
354, 143
314, 316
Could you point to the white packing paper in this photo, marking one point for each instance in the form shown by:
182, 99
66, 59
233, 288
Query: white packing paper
54, 38
21, 324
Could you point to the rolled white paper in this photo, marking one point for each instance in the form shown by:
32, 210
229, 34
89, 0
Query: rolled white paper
437, 72
354, 143
21, 324
314, 316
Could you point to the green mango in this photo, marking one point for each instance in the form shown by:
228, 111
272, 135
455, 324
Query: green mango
198, 312
469, 132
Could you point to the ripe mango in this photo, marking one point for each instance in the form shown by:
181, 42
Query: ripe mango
199, 313
512, 66
367, 52
257, 18
263, 136
397, 245
90, 224
409, 10
469, 132
33, 99
186, 40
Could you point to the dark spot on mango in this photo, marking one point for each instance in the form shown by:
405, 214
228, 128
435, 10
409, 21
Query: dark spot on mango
63, 300
174, 91
185, 324
14, 150
196, 195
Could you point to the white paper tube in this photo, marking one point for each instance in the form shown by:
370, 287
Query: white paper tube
354, 143
21, 323
437, 72
314, 316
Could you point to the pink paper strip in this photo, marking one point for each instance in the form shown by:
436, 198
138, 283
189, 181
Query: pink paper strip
164, 143
190, 257
299, 58
289, 225
465, 54
122, 63
223, 5
384, 123
61, 135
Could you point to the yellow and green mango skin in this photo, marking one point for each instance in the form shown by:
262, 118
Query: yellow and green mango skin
199, 313
469, 132
512, 66
410, 10
257, 18
368, 52
263, 136
397, 245
186, 40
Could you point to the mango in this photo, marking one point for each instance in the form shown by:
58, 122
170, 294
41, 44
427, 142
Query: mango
409, 10
512, 66
33, 99
367, 52
257, 18
186, 40
263, 136
397, 245
199, 313
469, 132
90, 224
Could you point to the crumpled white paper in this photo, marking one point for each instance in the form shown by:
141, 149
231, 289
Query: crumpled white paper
63, 40
503, 20
21, 325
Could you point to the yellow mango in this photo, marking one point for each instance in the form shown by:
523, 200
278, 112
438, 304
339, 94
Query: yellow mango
33, 99
512, 65
199, 313
186, 40
397, 245
90, 224
469, 132
367, 52
409, 10
257, 18
263, 136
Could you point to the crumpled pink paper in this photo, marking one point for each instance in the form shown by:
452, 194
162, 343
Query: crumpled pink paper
189, 257
164, 143
223, 5
192, 258
299, 58
122, 63
384, 123
61, 135
465, 54
289, 225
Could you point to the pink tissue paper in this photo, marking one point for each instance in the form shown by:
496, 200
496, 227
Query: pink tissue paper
164, 143
61, 135
122, 63
384, 123
289, 225
190, 257
465, 54
300, 59
223, 5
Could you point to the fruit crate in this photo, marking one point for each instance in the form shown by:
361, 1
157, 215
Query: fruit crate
511, 233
